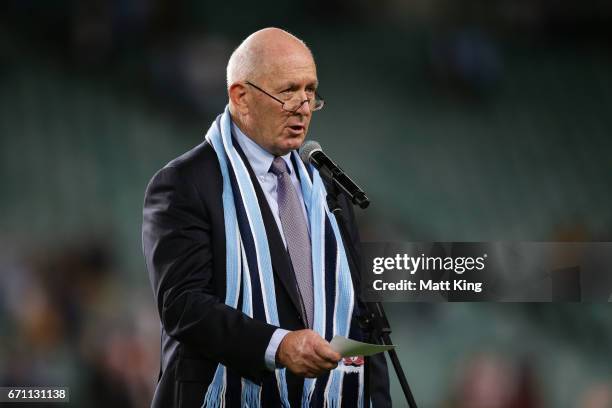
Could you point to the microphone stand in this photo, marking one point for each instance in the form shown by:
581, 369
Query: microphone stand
375, 321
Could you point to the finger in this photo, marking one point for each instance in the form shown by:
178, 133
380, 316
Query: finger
316, 363
320, 362
322, 365
316, 373
312, 369
324, 351
325, 363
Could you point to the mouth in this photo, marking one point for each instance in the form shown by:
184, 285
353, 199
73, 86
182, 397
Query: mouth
296, 129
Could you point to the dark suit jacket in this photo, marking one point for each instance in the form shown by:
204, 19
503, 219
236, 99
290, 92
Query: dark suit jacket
184, 246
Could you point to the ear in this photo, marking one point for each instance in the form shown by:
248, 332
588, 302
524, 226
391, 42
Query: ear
238, 96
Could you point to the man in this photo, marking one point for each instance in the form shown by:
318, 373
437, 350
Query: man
248, 267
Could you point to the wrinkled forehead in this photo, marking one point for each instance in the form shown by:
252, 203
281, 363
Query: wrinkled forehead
294, 67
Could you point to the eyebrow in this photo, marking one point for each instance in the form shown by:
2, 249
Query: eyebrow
295, 85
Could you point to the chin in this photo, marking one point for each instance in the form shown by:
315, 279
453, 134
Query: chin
293, 144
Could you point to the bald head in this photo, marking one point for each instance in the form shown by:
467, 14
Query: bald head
260, 53
270, 71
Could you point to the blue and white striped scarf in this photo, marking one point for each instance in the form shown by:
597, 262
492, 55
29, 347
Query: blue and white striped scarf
249, 273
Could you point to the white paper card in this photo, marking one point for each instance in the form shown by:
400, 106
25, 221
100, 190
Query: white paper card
351, 348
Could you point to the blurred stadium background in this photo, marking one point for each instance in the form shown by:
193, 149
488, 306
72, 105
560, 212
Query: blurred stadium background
463, 120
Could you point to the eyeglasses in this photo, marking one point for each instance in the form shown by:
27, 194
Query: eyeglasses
292, 104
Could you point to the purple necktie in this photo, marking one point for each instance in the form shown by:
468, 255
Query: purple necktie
296, 234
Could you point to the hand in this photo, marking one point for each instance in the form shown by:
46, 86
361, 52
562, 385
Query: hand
306, 354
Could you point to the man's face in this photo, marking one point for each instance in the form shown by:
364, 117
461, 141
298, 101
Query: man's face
273, 128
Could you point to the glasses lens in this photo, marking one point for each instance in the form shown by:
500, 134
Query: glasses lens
294, 105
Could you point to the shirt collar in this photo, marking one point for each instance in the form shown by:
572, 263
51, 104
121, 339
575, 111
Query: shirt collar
259, 158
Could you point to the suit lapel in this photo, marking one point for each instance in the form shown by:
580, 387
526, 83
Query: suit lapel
281, 264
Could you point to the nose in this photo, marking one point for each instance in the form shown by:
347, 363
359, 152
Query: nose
304, 108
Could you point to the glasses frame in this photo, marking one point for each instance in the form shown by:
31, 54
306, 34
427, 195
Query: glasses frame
317, 97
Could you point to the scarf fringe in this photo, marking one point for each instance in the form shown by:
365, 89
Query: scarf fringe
251, 394
215, 395
309, 387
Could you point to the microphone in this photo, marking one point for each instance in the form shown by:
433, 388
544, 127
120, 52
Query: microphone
311, 152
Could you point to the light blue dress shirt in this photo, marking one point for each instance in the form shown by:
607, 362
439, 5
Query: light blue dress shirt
260, 161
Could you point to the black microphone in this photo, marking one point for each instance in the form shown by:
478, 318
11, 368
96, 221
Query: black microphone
311, 152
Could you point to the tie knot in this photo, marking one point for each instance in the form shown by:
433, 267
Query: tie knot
278, 167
